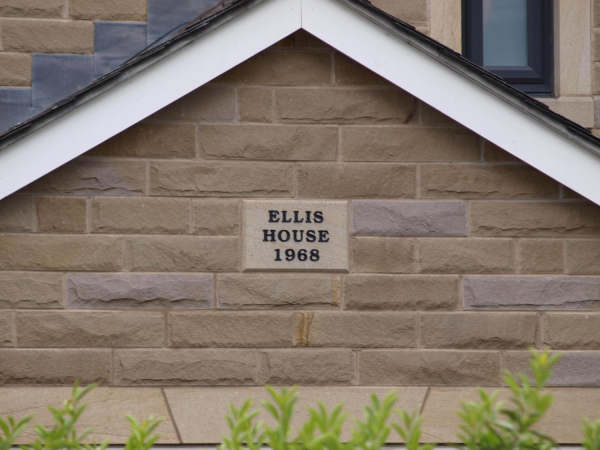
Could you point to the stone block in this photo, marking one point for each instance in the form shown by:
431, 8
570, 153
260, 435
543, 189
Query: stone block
130, 10
345, 106
409, 218
573, 369
479, 330
89, 329
206, 104
302, 39
115, 43
414, 12
535, 292
383, 255
350, 73
31, 290
428, 367
288, 68
88, 177
409, 144
54, 367
137, 291
575, 56
485, 181
467, 256
49, 9
534, 219
231, 329
307, 367
493, 153
571, 331
205, 179
164, 16
56, 77
541, 256
433, 117
15, 69
140, 215
186, 367
106, 413
278, 291
256, 105
151, 141
16, 214
48, 36
280, 143
446, 23
6, 329
356, 181
81, 253
583, 257
401, 292
214, 217
61, 214
356, 330
182, 254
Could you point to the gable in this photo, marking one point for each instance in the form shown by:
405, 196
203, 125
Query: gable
542, 140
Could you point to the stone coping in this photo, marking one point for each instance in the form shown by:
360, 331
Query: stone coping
194, 416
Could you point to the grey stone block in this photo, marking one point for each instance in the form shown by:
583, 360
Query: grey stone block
543, 293
117, 290
115, 43
15, 107
165, 16
58, 76
409, 218
573, 369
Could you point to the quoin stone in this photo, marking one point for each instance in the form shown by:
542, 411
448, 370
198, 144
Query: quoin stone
298, 235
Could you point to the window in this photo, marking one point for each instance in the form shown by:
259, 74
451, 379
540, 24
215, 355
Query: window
513, 39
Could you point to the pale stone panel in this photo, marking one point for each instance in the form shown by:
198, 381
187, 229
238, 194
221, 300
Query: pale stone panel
479, 330
356, 330
15, 69
410, 218
130, 10
410, 144
105, 413
182, 254
401, 292
31, 290
545, 293
61, 215
573, 369
221, 179
307, 367
187, 404
429, 367
16, 214
446, 23
281, 143
562, 422
186, 367
575, 65
48, 36
54, 367
89, 329
572, 331
231, 329
160, 291
261, 291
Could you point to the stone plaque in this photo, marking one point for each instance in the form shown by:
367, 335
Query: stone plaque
295, 235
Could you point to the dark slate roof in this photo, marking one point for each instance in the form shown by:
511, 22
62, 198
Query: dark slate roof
225, 9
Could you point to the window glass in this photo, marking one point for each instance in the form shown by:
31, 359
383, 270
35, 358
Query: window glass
505, 34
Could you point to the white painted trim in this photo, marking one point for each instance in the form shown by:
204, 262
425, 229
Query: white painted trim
453, 94
146, 92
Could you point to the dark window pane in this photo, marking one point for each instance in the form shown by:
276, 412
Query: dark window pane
505, 33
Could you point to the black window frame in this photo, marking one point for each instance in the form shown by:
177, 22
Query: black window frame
536, 78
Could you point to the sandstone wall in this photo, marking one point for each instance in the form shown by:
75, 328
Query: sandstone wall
124, 266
